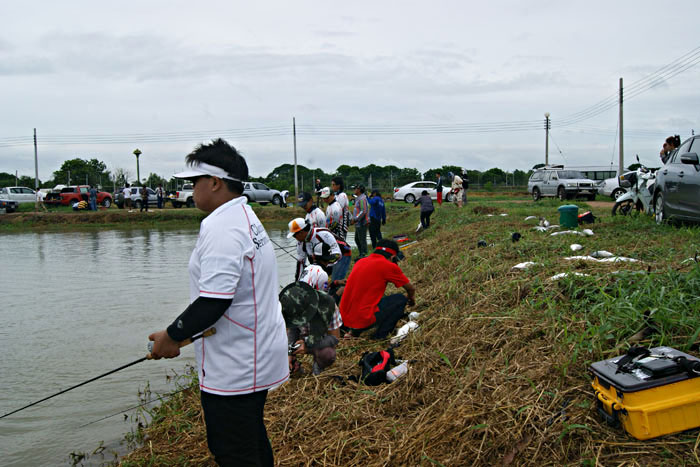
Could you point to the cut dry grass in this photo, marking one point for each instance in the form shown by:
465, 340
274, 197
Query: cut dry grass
498, 368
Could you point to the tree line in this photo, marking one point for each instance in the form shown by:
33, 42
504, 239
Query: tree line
383, 178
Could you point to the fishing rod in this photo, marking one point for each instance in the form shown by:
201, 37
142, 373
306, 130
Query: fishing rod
160, 398
280, 247
207, 333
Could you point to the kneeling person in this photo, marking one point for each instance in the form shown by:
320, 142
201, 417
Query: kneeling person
312, 321
363, 304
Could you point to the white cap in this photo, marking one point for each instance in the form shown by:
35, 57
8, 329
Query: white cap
295, 225
199, 169
325, 192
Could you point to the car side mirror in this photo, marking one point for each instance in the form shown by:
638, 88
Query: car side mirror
690, 158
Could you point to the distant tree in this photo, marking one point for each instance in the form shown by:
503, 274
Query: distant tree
92, 172
121, 176
153, 180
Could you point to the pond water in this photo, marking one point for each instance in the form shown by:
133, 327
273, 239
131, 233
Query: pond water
74, 306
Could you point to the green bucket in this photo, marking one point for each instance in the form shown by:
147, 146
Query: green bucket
568, 215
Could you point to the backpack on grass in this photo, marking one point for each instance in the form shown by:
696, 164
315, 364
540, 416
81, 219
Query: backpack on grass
375, 365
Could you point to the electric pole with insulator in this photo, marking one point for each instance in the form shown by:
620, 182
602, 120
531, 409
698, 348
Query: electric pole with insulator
546, 138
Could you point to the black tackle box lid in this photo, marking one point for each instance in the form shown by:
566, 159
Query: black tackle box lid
641, 379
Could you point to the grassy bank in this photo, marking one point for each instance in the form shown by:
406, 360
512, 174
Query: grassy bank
498, 369
65, 219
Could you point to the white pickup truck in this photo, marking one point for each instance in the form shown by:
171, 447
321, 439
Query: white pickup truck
183, 197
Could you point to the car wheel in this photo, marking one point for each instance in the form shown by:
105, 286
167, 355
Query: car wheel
659, 214
276, 200
262, 203
450, 197
617, 193
137, 204
247, 199
561, 194
190, 203
9, 210
409, 198
536, 195
107, 202
176, 204
590, 197
623, 208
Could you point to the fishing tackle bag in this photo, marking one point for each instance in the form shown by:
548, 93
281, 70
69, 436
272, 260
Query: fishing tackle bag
586, 218
375, 366
648, 392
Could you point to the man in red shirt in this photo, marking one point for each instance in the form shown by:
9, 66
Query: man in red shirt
363, 304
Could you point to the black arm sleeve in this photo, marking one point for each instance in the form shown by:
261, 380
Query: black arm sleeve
198, 317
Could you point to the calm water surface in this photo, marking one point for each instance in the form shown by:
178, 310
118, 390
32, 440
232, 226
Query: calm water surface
76, 305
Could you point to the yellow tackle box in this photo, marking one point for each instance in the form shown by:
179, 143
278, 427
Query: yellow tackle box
653, 393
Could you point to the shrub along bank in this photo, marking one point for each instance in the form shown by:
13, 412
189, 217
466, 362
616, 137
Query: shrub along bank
498, 368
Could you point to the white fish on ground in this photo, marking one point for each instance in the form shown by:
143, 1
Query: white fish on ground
618, 259
614, 259
544, 222
412, 316
626, 271
689, 260
539, 228
420, 226
489, 215
587, 232
576, 247
561, 275
564, 232
530, 218
523, 266
503, 214
403, 332
602, 254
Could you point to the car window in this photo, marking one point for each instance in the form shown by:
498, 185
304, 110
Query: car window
247, 186
536, 177
151, 192
676, 158
29, 191
569, 174
134, 191
15, 190
260, 186
550, 176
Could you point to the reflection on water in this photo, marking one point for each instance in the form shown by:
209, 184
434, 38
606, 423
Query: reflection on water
76, 305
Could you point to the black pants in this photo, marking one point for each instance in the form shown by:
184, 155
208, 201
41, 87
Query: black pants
391, 310
425, 218
375, 231
236, 432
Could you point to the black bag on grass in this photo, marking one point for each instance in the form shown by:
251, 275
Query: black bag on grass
586, 218
375, 365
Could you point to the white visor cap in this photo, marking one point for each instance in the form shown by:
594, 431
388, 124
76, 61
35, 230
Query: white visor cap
200, 168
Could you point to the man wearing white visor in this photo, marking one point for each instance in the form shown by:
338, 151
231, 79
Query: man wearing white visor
233, 288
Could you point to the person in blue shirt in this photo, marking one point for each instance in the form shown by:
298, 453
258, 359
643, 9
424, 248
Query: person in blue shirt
377, 217
93, 198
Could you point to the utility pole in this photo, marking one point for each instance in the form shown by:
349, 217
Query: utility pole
36, 175
546, 138
137, 153
296, 182
622, 151
69, 178
16, 179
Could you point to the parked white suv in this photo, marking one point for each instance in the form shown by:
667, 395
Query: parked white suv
21, 194
554, 180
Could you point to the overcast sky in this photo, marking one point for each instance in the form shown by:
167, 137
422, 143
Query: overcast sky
393, 82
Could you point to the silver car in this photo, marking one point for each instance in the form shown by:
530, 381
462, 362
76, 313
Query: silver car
412, 191
259, 193
21, 194
562, 183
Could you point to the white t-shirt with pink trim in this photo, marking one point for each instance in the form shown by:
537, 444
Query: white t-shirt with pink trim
234, 259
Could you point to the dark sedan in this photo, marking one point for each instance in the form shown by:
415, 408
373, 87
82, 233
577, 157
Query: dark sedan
677, 190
